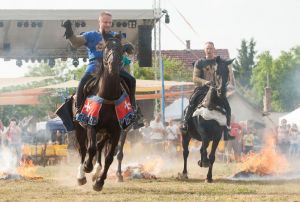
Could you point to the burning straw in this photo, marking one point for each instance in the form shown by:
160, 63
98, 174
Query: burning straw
268, 162
10, 169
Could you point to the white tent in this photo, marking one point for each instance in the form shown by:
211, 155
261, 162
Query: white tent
292, 117
175, 110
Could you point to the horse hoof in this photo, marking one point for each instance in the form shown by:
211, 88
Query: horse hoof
182, 176
81, 181
203, 164
120, 178
209, 180
97, 187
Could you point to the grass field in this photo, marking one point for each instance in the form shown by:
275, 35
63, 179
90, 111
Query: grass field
59, 184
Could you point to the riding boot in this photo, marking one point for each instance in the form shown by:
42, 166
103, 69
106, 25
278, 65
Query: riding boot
187, 115
131, 83
227, 128
137, 122
80, 96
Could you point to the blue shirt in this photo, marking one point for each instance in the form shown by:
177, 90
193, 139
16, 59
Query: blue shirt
93, 38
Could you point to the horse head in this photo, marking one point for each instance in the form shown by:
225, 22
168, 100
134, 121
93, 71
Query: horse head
112, 53
222, 76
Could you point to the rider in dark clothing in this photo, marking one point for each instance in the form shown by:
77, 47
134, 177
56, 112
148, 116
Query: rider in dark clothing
203, 76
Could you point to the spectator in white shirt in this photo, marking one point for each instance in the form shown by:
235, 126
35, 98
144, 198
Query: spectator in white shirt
173, 131
157, 129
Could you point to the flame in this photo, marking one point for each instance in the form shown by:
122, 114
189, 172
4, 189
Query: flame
154, 165
267, 162
27, 169
144, 171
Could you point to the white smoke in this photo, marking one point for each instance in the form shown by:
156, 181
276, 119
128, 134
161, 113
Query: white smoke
8, 160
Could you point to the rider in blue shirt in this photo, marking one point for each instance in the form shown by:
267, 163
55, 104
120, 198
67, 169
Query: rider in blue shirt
94, 43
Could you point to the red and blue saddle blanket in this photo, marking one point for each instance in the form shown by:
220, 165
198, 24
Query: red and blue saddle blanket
90, 111
92, 106
124, 111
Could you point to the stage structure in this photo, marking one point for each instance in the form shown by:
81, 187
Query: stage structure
37, 35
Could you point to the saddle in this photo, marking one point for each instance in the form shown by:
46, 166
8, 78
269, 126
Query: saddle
210, 101
92, 82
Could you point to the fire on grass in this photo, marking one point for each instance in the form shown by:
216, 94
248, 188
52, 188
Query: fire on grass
268, 162
147, 170
26, 170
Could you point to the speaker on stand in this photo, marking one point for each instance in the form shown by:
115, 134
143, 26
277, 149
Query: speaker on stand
145, 45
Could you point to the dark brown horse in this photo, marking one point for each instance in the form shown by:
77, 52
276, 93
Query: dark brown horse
109, 89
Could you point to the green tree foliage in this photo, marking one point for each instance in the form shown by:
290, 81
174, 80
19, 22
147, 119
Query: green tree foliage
173, 70
244, 63
284, 75
61, 72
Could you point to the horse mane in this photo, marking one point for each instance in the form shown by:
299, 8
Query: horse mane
99, 70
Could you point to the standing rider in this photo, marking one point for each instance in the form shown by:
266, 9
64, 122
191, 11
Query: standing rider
94, 43
203, 76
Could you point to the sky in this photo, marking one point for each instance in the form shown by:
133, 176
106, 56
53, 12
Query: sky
272, 23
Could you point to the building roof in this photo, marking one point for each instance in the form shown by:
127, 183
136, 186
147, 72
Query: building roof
187, 57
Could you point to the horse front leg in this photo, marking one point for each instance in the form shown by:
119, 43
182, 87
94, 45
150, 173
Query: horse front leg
120, 155
204, 162
212, 157
98, 166
111, 146
185, 145
81, 138
91, 134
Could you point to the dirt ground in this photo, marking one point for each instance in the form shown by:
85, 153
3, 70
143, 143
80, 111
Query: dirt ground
59, 184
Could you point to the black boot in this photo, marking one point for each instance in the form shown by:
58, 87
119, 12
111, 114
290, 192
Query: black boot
80, 96
227, 129
187, 116
138, 121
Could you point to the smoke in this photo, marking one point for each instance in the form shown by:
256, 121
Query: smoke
8, 160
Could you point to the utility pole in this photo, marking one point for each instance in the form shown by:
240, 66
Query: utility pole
156, 7
158, 15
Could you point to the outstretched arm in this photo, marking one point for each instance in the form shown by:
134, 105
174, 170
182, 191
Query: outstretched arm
76, 41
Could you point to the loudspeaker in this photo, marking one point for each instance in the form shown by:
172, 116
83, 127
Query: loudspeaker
145, 45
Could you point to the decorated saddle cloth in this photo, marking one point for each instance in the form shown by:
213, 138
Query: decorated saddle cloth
90, 111
92, 106
124, 111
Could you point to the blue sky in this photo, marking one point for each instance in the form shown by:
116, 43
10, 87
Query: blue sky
272, 23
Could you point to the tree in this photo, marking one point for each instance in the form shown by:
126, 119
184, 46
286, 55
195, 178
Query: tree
61, 72
245, 62
173, 70
284, 75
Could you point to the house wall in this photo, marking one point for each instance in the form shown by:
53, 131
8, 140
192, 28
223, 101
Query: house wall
242, 110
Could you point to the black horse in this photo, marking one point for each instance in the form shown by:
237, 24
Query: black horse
206, 129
